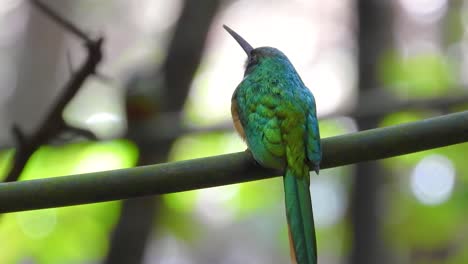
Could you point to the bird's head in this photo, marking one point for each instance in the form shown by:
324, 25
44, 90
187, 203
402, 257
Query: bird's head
258, 56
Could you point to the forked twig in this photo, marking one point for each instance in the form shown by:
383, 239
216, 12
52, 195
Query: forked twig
53, 124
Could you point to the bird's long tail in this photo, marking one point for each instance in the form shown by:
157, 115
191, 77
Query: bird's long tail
300, 218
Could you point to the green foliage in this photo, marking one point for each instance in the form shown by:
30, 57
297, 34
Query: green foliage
75, 234
334, 241
420, 75
5, 158
431, 226
454, 25
411, 225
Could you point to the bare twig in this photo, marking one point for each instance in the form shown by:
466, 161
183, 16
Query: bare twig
53, 123
20, 137
81, 132
70, 63
67, 25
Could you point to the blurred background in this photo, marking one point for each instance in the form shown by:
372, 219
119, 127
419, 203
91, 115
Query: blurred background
170, 71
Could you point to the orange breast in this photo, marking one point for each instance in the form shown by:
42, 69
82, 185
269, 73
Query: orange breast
236, 120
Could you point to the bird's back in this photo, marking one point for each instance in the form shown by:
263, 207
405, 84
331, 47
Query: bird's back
270, 109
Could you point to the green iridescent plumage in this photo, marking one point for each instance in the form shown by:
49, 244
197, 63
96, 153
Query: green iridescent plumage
275, 113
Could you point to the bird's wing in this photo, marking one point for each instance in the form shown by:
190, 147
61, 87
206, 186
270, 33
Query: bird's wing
314, 149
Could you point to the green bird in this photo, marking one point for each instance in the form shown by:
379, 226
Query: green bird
274, 112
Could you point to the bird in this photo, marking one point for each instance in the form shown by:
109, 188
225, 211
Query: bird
275, 114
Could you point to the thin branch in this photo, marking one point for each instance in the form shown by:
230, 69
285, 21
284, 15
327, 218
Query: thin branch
53, 124
67, 25
167, 125
71, 70
226, 169
80, 132
379, 108
20, 137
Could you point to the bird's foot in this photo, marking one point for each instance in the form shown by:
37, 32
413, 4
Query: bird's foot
251, 157
316, 169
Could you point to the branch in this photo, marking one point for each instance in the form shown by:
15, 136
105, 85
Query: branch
186, 50
53, 124
165, 89
166, 126
60, 20
81, 132
226, 169
372, 109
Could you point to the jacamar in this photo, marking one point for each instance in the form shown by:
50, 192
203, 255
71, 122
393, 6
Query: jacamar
274, 112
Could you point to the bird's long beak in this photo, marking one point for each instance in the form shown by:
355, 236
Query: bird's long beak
242, 42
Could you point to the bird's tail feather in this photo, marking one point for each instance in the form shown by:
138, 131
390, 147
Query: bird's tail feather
300, 218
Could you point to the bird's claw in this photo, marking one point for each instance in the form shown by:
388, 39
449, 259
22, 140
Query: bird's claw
317, 169
251, 157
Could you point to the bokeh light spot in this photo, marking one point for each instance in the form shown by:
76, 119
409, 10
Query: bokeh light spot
37, 224
433, 179
168, 250
328, 200
104, 123
99, 162
212, 204
8, 5
425, 10
107, 156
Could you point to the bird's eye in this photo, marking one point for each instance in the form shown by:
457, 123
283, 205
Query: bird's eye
252, 61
